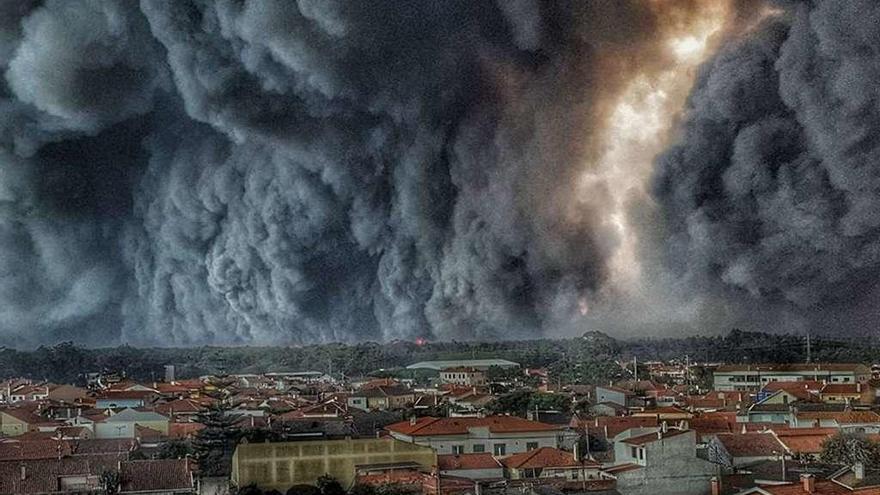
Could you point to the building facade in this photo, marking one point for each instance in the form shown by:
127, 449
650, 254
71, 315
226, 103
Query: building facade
279, 466
498, 435
745, 377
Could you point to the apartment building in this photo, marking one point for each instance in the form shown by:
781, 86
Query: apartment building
748, 377
498, 435
463, 375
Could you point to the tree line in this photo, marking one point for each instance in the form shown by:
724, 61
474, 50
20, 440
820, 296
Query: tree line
591, 357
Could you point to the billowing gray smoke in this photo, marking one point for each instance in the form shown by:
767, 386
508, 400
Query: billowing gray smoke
773, 189
181, 172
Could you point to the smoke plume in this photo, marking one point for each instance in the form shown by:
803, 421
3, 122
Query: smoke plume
770, 197
179, 172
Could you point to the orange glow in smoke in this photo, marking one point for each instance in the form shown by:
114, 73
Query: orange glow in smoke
637, 130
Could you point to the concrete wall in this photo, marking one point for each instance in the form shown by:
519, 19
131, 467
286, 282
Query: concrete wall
118, 403
12, 426
475, 474
281, 465
672, 468
114, 430
605, 395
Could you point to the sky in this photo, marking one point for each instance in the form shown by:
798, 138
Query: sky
275, 172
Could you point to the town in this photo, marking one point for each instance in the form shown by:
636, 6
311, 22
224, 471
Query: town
454, 426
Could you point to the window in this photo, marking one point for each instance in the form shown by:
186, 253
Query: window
531, 445
634, 452
574, 475
499, 449
642, 454
458, 449
479, 448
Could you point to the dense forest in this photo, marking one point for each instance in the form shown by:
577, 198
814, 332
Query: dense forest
583, 359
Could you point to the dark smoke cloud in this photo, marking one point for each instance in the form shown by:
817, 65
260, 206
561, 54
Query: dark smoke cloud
179, 172
772, 193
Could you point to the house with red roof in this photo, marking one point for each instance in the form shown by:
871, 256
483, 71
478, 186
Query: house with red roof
848, 393
480, 466
547, 462
859, 421
845, 484
156, 476
739, 449
499, 435
804, 441
608, 427
17, 421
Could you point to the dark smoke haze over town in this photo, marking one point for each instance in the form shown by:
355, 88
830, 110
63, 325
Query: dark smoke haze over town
273, 172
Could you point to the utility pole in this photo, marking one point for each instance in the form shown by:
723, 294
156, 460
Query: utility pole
809, 356
687, 374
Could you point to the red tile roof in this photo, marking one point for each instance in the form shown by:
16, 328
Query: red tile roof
751, 444
663, 411
24, 415
183, 430
37, 449
44, 475
842, 389
653, 437
155, 475
179, 406
429, 426
842, 417
452, 462
617, 424
821, 488
789, 386
545, 457
805, 440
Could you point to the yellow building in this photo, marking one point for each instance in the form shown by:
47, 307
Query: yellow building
14, 422
281, 465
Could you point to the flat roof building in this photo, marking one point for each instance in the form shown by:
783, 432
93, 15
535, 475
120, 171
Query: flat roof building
743, 377
480, 364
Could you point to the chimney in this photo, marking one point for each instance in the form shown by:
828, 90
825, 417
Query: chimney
859, 470
715, 486
412, 420
808, 482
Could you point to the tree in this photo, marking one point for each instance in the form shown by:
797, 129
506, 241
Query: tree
329, 485
215, 443
520, 402
850, 448
174, 449
251, 489
303, 490
362, 490
110, 481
